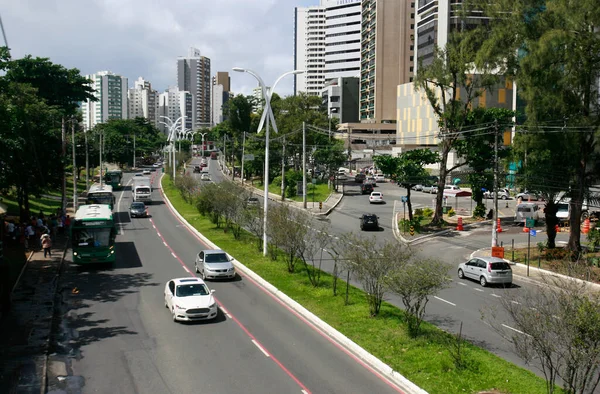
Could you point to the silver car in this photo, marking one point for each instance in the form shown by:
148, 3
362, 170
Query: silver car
214, 264
486, 270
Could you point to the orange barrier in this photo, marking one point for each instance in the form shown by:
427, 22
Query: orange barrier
586, 226
459, 226
498, 226
557, 229
525, 229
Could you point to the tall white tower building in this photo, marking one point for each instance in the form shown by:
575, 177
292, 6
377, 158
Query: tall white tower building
342, 38
111, 92
193, 76
173, 103
309, 49
143, 101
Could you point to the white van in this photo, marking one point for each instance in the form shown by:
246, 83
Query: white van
527, 210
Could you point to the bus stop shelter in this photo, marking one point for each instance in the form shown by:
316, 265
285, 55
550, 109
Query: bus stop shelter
456, 194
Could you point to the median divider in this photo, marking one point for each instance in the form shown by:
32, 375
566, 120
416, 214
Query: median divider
373, 362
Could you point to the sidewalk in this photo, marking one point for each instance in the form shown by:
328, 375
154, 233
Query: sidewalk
25, 330
533, 274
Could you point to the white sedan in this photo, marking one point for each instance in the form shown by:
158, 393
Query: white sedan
376, 197
204, 176
146, 172
189, 299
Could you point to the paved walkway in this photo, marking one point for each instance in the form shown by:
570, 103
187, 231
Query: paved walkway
25, 330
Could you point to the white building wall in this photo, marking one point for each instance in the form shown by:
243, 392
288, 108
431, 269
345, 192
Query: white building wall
111, 90
342, 38
217, 104
309, 53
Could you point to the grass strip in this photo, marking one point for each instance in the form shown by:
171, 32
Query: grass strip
321, 192
424, 360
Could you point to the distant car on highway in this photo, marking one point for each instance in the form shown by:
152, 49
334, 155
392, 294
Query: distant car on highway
146, 172
379, 178
417, 187
197, 169
156, 165
376, 198
429, 189
252, 202
360, 178
139, 174
369, 222
189, 299
204, 176
137, 210
214, 264
486, 270
366, 188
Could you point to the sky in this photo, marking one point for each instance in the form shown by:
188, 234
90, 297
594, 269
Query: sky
136, 38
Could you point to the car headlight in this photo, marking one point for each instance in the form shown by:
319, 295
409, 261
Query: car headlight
213, 305
74, 253
180, 307
231, 269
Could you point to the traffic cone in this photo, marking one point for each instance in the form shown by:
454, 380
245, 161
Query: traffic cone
556, 228
525, 229
498, 226
586, 226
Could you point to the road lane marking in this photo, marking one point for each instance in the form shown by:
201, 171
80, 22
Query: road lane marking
159, 234
515, 302
496, 295
515, 330
164, 243
304, 392
260, 347
462, 284
154, 227
476, 289
187, 269
443, 300
174, 255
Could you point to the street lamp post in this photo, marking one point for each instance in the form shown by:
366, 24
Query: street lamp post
266, 116
203, 134
172, 136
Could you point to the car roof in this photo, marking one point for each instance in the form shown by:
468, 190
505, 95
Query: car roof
187, 281
375, 193
213, 251
369, 215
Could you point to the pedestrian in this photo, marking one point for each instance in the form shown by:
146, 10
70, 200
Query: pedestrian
46, 245
67, 224
29, 235
10, 229
53, 225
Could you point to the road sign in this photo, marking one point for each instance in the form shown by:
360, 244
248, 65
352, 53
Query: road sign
249, 156
412, 230
320, 204
498, 251
530, 222
404, 199
533, 233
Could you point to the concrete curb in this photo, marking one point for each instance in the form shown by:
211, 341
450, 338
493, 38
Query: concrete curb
44, 379
400, 238
340, 338
594, 286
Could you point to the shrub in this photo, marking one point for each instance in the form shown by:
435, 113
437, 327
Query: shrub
479, 211
427, 212
405, 224
419, 212
451, 212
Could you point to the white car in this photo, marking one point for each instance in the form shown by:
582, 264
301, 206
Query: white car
204, 176
431, 189
189, 299
146, 172
214, 264
376, 197
486, 270
379, 178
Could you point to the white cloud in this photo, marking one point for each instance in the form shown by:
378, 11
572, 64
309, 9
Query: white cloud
144, 37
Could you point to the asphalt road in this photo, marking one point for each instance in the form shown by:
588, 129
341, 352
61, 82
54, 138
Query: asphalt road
123, 340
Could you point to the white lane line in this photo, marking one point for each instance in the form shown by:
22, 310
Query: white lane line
164, 243
515, 330
186, 268
260, 347
462, 284
304, 392
155, 226
515, 302
476, 289
496, 295
159, 234
173, 254
443, 300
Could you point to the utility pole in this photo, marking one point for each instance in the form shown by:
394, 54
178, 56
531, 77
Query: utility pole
87, 163
134, 148
304, 164
101, 149
243, 153
74, 165
495, 224
224, 155
283, 171
64, 155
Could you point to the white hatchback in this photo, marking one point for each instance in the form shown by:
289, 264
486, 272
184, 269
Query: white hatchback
487, 270
189, 299
376, 197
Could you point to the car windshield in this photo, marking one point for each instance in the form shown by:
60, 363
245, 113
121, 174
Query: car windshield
143, 190
138, 205
370, 217
92, 237
523, 209
500, 266
563, 207
197, 289
216, 258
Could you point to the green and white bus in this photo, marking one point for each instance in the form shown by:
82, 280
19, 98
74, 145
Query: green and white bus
93, 234
114, 178
100, 194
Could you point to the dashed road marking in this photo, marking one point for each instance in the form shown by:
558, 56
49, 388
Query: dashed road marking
443, 300
173, 254
158, 234
476, 289
462, 284
514, 329
496, 295
515, 302
260, 347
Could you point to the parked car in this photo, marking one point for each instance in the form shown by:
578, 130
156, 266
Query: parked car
366, 188
429, 189
137, 210
360, 178
197, 169
486, 270
528, 210
450, 187
417, 188
369, 222
527, 195
376, 198
189, 299
503, 194
214, 264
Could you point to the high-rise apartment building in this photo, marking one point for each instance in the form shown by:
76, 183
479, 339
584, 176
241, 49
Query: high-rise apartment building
111, 92
386, 56
221, 93
193, 76
342, 38
259, 99
143, 101
309, 49
173, 103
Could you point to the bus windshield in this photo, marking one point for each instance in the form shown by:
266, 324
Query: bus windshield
100, 198
92, 237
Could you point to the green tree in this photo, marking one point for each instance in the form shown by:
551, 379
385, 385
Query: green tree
452, 88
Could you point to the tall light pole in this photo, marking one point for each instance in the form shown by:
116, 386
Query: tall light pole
172, 136
87, 162
203, 134
266, 116
74, 165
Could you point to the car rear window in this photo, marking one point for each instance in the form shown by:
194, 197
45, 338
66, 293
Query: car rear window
500, 266
523, 209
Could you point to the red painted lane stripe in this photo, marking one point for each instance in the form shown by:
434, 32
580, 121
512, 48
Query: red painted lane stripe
252, 337
315, 328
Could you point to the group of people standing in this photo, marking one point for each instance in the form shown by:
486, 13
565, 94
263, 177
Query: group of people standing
40, 228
